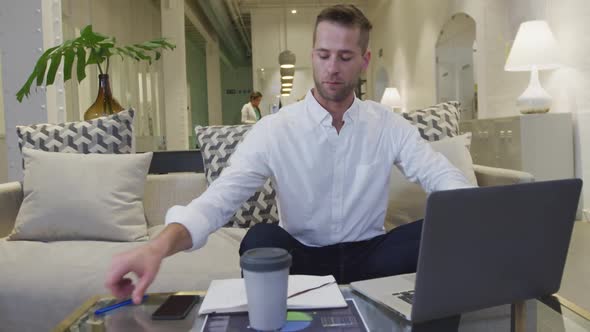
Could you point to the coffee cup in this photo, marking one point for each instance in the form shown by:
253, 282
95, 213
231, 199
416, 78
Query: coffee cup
266, 275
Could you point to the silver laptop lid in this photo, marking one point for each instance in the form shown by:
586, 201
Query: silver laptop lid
489, 246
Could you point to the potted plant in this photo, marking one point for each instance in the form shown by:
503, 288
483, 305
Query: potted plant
91, 48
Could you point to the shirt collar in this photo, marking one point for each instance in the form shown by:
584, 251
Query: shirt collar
319, 115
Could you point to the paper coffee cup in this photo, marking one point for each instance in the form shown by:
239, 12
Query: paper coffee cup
266, 274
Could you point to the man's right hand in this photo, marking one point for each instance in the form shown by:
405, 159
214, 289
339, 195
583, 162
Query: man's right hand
144, 262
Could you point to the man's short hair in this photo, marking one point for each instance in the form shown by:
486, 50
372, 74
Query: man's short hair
348, 16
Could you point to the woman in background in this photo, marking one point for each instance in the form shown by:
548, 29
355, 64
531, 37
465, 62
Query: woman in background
250, 111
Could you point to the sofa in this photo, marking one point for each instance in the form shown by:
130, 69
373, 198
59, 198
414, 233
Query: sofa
41, 283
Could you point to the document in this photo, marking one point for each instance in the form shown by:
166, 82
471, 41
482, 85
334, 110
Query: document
229, 295
309, 320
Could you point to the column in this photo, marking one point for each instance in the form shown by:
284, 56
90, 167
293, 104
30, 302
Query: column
174, 67
214, 83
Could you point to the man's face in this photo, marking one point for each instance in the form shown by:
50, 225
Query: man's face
337, 60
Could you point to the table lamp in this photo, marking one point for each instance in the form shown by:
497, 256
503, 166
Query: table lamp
534, 49
391, 98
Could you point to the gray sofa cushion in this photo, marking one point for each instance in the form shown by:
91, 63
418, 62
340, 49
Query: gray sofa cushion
163, 191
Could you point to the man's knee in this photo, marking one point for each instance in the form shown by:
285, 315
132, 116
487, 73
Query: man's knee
266, 235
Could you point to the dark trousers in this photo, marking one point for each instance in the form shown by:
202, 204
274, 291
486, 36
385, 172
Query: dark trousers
385, 255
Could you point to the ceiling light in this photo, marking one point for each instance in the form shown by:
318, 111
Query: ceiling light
287, 89
285, 94
287, 59
294, 11
286, 84
287, 73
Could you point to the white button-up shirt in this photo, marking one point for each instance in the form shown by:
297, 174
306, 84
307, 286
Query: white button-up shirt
331, 187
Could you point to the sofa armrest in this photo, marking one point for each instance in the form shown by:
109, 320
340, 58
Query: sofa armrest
11, 197
494, 176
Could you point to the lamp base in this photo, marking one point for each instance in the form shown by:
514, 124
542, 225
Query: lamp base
534, 111
534, 99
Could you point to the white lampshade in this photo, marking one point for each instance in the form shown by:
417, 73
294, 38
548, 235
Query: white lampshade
391, 98
534, 46
534, 49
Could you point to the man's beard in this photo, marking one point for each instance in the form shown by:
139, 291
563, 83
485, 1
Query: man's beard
335, 96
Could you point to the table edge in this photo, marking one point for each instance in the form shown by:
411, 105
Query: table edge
84, 307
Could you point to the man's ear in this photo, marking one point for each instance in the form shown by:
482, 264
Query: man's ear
366, 59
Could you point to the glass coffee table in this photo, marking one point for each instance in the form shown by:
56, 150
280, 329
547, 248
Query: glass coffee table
548, 314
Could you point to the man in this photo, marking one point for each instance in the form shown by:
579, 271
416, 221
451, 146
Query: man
330, 157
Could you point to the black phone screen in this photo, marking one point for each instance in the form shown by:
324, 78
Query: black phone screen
176, 307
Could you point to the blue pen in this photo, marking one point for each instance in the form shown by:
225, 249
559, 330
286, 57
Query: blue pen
116, 305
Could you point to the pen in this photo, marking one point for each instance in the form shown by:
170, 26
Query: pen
116, 305
310, 289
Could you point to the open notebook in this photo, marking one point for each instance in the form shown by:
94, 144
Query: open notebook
229, 295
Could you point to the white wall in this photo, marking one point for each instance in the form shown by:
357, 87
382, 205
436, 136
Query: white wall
407, 32
569, 85
20, 50
3, 152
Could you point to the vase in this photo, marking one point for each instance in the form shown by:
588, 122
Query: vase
104, 104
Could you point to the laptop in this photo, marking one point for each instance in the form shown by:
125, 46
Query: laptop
483, 247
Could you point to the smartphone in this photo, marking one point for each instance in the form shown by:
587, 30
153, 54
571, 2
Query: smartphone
176, 307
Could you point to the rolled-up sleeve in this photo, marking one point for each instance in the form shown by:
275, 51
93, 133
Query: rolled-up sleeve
421, 164
247, 171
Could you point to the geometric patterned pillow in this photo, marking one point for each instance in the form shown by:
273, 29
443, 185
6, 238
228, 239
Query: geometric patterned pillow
436, 122
107, 134
217, 143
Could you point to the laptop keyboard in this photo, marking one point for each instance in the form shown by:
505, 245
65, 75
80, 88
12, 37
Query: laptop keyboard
405, 296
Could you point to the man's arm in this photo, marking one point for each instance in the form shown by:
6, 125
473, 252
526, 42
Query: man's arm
420, 163
144, 262
189, 226
247, 171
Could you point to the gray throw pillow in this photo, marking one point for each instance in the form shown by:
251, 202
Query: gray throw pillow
108, 134
71, 196
436, 122
217, 143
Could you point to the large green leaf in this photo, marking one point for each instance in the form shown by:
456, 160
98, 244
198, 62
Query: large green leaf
40, 69
124, 53
90, 37
88, 49
55, 61
24, 91
68, 63
93, 57
140, 54
87, 31
41, 66
81, 63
